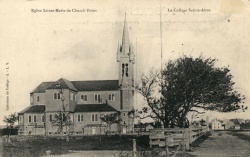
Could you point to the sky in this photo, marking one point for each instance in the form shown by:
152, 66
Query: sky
45, 46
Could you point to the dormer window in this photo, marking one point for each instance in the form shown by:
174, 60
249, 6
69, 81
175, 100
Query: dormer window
57, 84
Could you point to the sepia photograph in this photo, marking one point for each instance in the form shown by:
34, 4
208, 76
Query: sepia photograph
159, 78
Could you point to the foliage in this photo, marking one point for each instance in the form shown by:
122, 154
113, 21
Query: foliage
111, 119
188, 85
11, 119
62, 119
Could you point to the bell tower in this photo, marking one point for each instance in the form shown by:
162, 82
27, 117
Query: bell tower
126, 60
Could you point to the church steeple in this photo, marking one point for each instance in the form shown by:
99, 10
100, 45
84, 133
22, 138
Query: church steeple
126, 59
125, 37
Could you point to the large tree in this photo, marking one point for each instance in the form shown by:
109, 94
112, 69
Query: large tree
62, 118
110, 119
188, 85
10, 120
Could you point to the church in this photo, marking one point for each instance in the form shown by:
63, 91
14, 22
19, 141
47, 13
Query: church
84, 101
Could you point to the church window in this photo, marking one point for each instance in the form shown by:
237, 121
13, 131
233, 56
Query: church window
97, 97
30, 119
50, 117
55, 95
78, 118
84, 98
120, 48
37, 99
127, 70
34, 118
94, 117
111, 97
123, 66
58, 96
82, 117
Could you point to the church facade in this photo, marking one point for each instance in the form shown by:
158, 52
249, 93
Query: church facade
84, 101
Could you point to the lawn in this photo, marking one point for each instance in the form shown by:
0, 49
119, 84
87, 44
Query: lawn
32, 147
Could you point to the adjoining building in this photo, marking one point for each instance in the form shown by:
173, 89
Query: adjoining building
85, 101
216, 124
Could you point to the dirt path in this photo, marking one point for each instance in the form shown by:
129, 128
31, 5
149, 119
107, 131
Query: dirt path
223, 144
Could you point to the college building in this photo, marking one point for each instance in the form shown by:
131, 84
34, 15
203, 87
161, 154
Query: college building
84, 101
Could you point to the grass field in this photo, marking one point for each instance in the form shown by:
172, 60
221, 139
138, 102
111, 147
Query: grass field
38, 148
218, 143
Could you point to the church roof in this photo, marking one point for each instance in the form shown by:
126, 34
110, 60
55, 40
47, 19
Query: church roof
94, 108
95, 85
62, 84
99, 85
33, 109
41, 88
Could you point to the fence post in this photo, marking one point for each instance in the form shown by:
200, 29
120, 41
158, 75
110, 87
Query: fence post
190, 135
134, 147
187, 138
166, 144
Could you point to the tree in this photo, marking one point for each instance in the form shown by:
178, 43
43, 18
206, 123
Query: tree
110, 119
62, 119
10, 120
188, 85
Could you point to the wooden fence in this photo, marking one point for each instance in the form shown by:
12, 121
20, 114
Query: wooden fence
169, 137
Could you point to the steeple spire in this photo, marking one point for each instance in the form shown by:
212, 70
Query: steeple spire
125, 37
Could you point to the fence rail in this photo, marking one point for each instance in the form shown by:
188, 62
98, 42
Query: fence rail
169, 137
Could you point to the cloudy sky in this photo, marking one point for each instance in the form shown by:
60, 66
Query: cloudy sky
45, 46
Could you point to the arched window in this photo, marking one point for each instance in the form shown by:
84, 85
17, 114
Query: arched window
127, 70
55, 95
78, 117
82, 117
95, 117
58, 96
50, 117
30, 119
122, 69
37, 99
34, 118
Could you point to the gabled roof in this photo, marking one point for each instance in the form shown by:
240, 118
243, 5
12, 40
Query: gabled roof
94, 108
62, 84
216, 120
96, 85
33, 109
235, 121
41, 88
